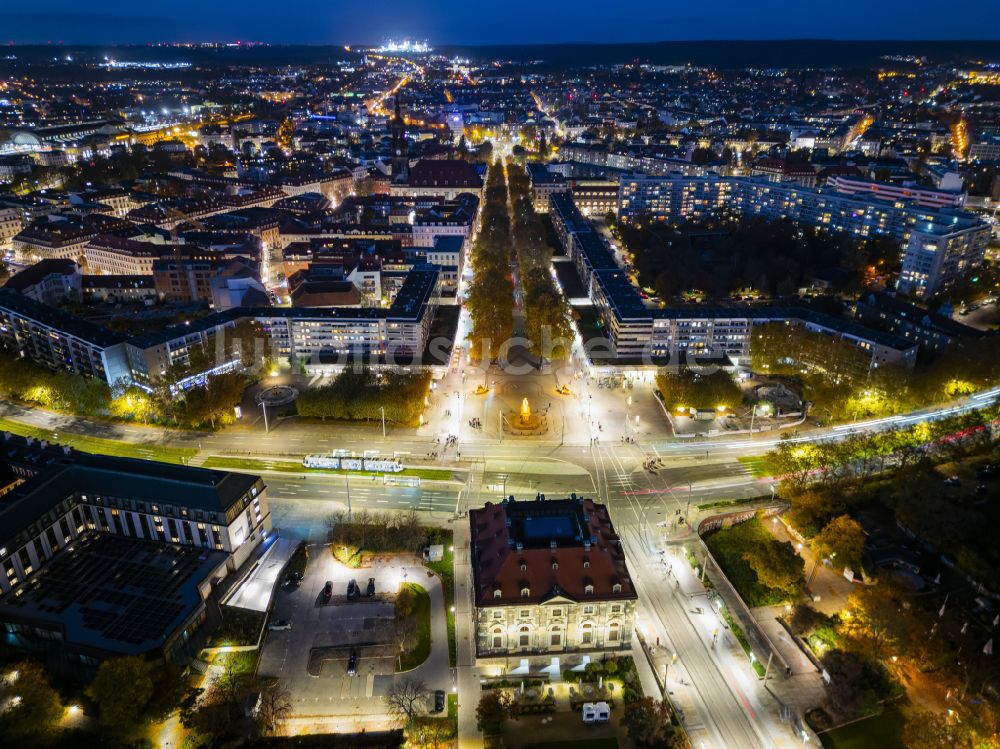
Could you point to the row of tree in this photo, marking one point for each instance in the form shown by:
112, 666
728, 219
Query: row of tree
546, 312
835, 375
491, 297
209, 403
865, 455
687, 389
366, 396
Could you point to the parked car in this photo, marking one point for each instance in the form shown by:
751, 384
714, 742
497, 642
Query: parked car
327, 591
279, 625
596, 712
371, 586
353, 591
439, 700
952, 481
352, 665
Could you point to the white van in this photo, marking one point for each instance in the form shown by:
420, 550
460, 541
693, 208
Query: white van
596, 712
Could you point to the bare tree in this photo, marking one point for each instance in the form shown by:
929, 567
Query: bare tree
275, 707
405, 633
406, 698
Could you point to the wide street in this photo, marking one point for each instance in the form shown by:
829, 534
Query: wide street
595, 446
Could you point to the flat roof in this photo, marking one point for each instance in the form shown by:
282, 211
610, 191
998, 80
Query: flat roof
65, 322
114, 593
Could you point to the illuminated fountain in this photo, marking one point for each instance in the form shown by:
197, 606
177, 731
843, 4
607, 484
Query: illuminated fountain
524, 423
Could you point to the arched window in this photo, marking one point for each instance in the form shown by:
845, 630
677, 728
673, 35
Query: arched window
524, 636
614, 632
587, 634
555, 637
498, 637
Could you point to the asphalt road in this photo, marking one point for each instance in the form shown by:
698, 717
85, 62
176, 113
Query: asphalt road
645, 505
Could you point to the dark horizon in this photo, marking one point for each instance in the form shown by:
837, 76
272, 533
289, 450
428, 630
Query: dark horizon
449, 22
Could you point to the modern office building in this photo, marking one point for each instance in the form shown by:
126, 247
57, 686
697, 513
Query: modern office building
925, 196
939, 244
549, 577
105, 556
60, 340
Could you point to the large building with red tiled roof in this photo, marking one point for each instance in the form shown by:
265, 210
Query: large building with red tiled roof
549, 577
446, 178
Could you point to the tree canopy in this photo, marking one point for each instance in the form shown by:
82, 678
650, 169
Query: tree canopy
37, 707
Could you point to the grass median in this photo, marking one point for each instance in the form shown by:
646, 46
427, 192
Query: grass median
102, 446
445, 569
291, 466
419, 653
883, 730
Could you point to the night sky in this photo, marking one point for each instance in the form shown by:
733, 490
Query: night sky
507, 22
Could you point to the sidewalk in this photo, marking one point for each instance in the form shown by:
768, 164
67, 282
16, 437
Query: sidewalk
469, 735
828, 589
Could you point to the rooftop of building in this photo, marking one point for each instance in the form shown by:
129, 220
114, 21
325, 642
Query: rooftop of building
64, 322
118, 281
918, 315
565, 548
114, 594
444, 173
39, 271
448, 243
58, 473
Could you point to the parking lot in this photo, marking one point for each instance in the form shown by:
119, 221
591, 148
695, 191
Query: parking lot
311, 658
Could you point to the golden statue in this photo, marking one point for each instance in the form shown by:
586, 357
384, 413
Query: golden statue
525, 412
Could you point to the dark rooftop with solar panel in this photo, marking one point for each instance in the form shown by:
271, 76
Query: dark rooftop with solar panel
115, 594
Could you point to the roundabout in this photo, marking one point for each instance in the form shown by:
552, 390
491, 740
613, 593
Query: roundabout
277, 396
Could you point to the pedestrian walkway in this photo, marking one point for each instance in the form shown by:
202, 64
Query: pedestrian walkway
469, 735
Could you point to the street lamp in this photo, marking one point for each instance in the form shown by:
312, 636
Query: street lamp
263, 407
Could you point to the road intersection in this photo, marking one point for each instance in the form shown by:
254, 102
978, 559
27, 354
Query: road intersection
597, 449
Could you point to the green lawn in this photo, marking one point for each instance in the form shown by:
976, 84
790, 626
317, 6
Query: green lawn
756, 465
291, 466
446, 571
581, 744
238, 627
883, 731
422, 611
101, 446
733, 504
